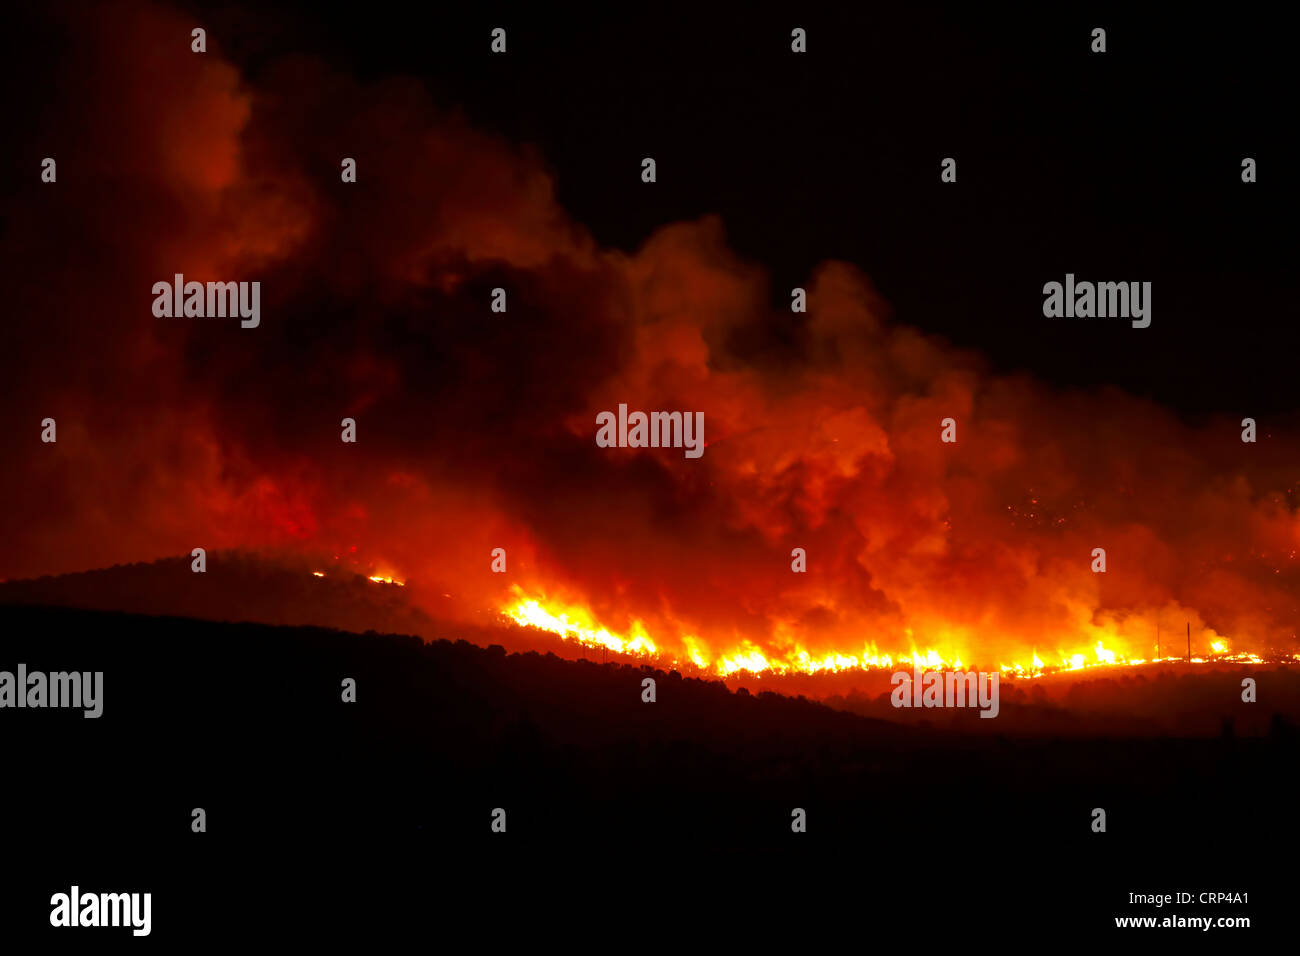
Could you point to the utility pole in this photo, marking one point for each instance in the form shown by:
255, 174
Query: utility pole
1189, 642
1157, 640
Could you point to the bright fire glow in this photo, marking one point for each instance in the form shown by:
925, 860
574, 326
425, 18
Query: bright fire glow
377, 578
574, 622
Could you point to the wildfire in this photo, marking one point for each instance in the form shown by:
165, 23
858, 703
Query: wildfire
576, 624
573, 622
377, 578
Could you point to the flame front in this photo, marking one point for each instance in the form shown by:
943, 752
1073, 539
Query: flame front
573, 622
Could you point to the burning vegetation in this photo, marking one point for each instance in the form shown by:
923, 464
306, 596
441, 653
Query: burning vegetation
946, 512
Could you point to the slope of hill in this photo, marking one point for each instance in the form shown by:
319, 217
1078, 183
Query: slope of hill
236, 586
248, 722
1165, 699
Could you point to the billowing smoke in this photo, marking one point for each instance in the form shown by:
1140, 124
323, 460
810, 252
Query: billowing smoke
476, 429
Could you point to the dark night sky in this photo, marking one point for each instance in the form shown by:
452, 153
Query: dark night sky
1122, 166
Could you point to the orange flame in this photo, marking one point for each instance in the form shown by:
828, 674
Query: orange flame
573, 622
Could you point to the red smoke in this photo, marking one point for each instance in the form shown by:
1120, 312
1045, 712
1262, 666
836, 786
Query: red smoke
476, 429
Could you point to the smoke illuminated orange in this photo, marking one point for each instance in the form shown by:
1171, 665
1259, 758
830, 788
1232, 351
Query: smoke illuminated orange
823, 430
